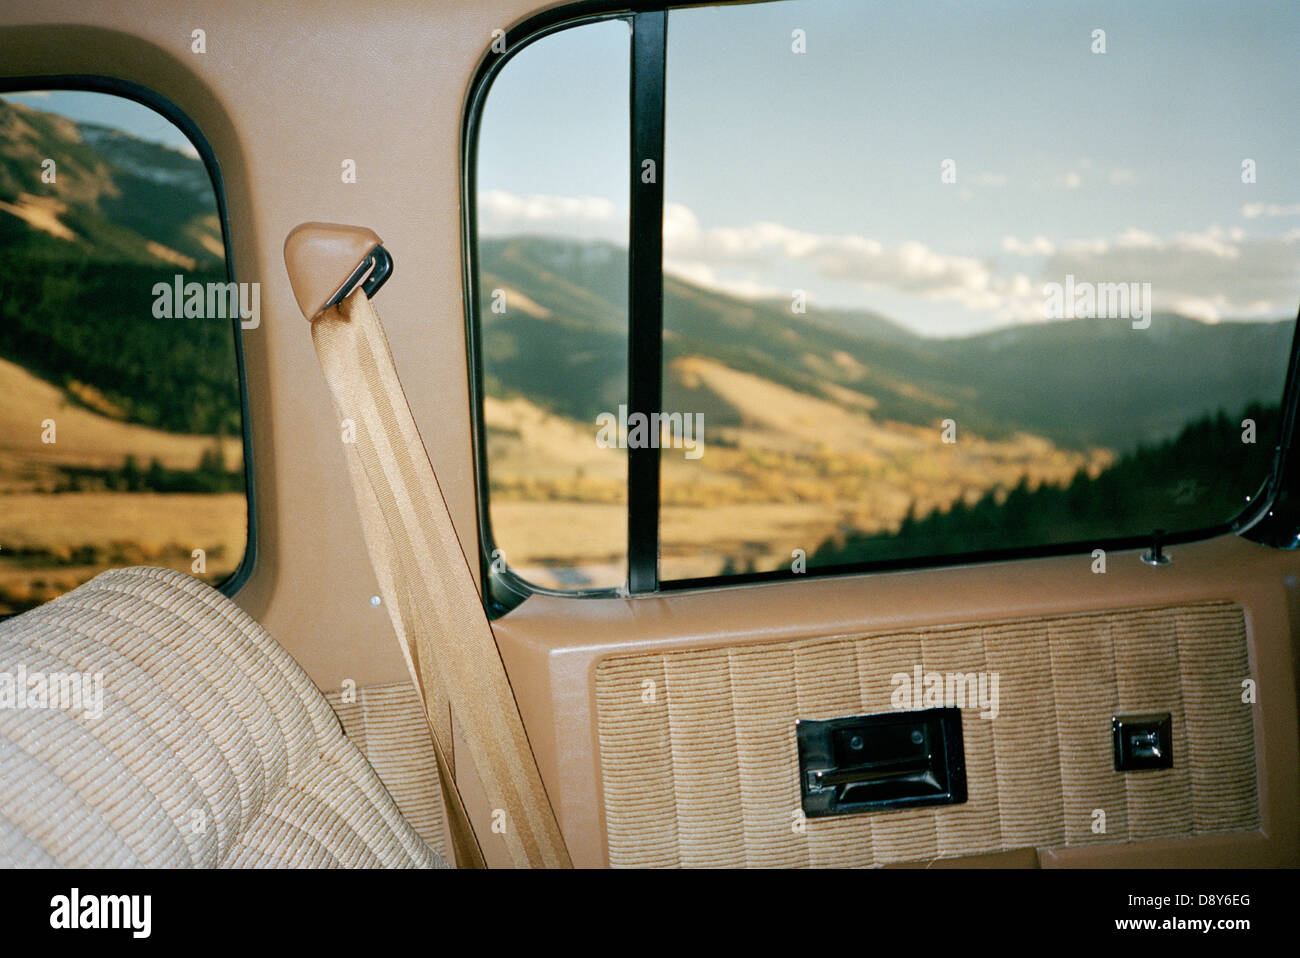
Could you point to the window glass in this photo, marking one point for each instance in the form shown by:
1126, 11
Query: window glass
940, 279
121, 421
947, 278
551, 305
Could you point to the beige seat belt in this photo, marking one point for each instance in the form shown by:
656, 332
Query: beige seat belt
424, 577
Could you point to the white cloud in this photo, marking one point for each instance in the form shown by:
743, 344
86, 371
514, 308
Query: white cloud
1253, 210
910, 267
1212, 242
1038, 246
1210, 273
1134, 238
1085, 246
500, 205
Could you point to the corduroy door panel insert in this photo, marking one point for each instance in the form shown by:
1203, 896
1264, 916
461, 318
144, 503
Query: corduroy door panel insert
699, 764
387, 723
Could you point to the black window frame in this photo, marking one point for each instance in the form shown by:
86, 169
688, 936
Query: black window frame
152, 99
1272, 516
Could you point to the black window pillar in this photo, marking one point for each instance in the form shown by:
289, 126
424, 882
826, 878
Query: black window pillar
645, 294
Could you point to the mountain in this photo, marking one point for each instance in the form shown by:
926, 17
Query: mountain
561, 342
114, 197
79, 258
1101, 382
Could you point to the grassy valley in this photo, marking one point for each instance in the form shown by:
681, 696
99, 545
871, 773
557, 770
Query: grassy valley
824, 429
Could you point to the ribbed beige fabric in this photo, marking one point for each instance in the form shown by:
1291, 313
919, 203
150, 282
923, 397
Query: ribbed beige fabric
213, 747
704, 772
387, 723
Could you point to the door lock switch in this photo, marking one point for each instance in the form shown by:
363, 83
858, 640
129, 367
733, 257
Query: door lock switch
1142, 742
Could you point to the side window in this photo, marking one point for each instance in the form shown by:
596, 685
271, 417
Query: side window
957, 284
937, 288
121, 414
551, 301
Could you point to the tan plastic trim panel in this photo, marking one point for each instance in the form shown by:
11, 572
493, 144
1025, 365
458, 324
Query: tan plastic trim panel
285, 92
551, 647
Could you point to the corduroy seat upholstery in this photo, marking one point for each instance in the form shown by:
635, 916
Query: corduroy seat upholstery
213, 747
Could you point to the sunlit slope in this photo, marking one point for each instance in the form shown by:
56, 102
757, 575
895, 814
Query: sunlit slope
112, 196
83, 437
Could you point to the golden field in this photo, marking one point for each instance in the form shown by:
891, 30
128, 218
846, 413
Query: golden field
789, 471
51, 541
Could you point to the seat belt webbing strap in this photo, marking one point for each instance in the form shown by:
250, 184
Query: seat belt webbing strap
425, 580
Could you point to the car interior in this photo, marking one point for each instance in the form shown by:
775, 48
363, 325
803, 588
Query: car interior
760, 435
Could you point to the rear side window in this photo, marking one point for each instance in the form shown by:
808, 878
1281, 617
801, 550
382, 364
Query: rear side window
121, 413
552, 306
938, 281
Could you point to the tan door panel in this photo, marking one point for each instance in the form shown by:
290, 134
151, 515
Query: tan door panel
1232, 622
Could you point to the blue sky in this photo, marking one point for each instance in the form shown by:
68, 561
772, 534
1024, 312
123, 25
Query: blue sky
821, 170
